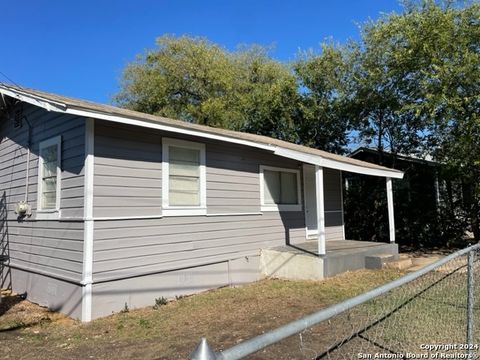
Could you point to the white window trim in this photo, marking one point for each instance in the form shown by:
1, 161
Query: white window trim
49, 213
168, 210
279, 207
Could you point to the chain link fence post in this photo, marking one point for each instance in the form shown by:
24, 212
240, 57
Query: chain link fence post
203, 351
470, 301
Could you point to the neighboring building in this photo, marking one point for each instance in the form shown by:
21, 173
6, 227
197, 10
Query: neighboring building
103, 206
427, 201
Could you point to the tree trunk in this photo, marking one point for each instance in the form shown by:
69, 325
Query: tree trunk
380, 138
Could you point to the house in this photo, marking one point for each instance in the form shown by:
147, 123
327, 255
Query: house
103, 206
429, 201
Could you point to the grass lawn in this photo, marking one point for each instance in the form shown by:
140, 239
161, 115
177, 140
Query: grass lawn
224, 316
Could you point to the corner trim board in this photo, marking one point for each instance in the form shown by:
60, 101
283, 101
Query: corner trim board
88, 228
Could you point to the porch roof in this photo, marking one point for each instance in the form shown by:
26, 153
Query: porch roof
63, 104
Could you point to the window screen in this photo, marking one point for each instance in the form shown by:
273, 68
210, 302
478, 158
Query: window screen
49, 176
280, 187
184, 176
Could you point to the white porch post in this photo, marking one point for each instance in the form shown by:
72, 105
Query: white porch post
391, 218
320, 209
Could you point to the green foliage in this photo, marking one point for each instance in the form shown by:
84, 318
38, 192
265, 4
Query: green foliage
410, 85
195, 80
325, 87
161, 301
144, 323
416, 90
125, 309
421, 220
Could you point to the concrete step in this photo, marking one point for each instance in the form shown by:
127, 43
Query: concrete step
414, 268
378, 261
425, 260
420, 262
401, 264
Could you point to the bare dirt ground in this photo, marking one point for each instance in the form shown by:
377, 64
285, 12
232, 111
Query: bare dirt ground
224, 316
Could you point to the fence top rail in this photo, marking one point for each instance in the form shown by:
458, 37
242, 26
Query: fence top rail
259, 342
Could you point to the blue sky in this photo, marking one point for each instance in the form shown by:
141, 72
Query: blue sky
79, 48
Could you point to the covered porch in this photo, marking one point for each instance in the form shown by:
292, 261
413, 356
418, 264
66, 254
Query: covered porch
326, 251
322, 206
303, 262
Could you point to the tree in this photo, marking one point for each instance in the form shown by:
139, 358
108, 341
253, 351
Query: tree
195, 80
325, 86
447, 46
420, 70
433, 51
411, 85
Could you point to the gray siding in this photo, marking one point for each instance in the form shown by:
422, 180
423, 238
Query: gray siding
55, 294
112, 296
332, 187
128, 171
49, 247
127, 183
333, 204
133, 247
233, 184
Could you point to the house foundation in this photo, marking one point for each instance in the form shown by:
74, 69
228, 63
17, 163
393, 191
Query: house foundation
302, 262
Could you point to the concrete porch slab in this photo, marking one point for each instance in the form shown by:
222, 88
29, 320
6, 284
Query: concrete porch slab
290, 265
302, 262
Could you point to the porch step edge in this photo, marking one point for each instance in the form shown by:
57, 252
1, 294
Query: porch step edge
378, 261
401, 264
290, 265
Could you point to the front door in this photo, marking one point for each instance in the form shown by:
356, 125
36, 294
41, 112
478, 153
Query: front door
310, 201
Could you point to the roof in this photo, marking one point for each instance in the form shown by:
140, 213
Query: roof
59, 103
409, 158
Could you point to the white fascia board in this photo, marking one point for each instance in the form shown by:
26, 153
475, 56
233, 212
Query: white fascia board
169, 128
334, 164
48, 105
60, 107
291, 154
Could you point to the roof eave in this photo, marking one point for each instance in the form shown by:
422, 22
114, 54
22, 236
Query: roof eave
56, 106
339, 165
47, 104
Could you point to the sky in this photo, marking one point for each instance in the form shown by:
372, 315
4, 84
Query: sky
79, 48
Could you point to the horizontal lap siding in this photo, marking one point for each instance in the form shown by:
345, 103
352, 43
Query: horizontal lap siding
129, 247
334, 233
128, 171
332, 189
233, 184
333, 205
128, 183
49, 247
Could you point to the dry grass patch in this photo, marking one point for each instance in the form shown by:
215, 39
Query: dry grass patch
225, 316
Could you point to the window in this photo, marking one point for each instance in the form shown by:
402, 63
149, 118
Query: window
183, 178
49, 160
280, 189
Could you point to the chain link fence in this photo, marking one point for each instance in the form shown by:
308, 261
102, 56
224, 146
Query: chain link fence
433, 313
